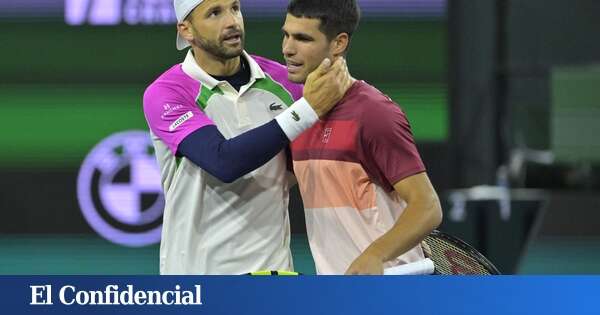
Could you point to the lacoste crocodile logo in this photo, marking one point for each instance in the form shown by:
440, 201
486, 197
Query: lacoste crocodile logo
275, 107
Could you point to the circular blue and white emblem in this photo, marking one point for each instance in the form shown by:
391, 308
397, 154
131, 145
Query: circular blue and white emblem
119, 190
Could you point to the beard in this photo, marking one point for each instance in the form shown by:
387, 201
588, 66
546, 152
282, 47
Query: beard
218, 49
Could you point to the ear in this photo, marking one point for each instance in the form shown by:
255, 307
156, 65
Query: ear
339, 44
185, 30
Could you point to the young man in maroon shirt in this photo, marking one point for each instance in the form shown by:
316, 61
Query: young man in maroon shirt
368, 200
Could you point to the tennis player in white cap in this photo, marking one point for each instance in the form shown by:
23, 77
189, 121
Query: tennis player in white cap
220, 122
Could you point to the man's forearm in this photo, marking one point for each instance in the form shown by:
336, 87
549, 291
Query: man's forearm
416, 222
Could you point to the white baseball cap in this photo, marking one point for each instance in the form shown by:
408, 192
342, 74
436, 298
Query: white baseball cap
182, 9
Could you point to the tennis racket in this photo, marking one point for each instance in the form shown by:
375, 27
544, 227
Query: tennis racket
446, 255
452, 256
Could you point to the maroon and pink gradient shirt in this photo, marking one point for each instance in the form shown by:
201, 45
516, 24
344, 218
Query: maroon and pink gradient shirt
346, 166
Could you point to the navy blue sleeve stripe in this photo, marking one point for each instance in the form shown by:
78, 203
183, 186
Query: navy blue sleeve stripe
230, 159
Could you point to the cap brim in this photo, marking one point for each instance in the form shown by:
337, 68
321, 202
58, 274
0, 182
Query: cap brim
181, 43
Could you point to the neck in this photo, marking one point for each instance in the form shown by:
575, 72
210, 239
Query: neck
214, 65
352, 81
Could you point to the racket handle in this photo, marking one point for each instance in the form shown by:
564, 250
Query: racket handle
421, 267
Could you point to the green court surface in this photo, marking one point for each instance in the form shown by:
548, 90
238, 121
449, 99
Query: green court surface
553, 255
91, 255
56, 126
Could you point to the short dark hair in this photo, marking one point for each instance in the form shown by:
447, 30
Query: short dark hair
336, 16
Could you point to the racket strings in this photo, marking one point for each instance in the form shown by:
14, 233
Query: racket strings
450, 259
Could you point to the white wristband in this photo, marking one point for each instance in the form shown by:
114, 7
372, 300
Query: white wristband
297, 118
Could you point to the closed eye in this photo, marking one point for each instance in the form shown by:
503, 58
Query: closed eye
298, 36
303, 38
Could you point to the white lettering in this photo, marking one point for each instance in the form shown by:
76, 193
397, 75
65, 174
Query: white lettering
43, 291
97, 297
112, 12
165, 299
198, 295
114, 295
140, 298
177, 295
183, 118
62, 292
82, 297
154, 298
126, 297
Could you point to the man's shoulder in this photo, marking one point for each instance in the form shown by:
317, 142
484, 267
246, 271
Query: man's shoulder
364, 91
274, 69
375, 110
170, 76
278, 73
372, 100
174, 80
268, 64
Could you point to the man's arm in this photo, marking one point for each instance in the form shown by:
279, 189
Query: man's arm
230, 159
422, 214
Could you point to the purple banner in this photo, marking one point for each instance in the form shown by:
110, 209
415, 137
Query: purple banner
152, 12
31, 9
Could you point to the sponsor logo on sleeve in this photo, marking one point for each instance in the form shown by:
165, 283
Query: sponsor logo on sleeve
170, 109
183, 118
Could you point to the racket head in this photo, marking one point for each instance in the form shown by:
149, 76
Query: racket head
452, 256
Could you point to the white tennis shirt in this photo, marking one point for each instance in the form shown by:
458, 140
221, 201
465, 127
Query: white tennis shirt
211, 227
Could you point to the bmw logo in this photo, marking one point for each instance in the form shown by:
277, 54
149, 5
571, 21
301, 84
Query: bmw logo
119, 190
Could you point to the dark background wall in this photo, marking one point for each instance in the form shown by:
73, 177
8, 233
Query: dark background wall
501, 57
537, 37
383, 50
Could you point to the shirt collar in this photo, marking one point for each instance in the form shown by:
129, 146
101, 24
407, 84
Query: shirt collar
191, 68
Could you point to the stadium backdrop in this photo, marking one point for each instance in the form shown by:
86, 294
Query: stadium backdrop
73, 72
